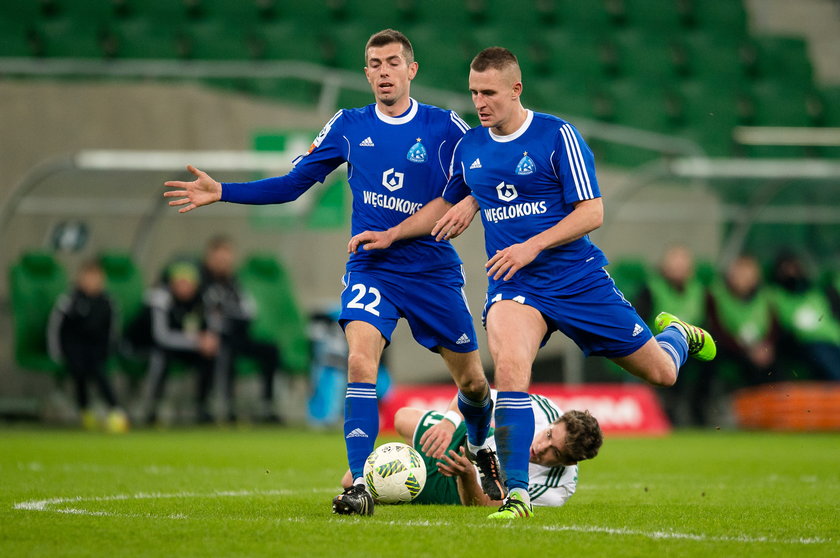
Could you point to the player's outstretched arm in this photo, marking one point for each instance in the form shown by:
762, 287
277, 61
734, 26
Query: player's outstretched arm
456, 220
201, 191
419, 224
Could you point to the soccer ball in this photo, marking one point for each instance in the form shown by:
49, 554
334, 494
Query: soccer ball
395, 473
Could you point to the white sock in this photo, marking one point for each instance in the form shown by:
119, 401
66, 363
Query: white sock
521, 495
474, 449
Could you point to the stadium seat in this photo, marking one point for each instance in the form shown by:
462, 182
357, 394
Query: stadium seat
279, 319
144, 38
35, 282
576, 56
69, 37
630, 275
124, 283
288, 40
308, 13
444, 60
725, 18
216, 39
719, 62
657, 16
585, 17
17, 38
650, 59
709, 114
779, 57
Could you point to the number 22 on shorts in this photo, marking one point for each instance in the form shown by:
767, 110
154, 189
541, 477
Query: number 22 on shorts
361, 291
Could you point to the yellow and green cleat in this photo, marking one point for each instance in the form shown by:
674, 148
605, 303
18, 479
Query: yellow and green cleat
700, 344
513, 508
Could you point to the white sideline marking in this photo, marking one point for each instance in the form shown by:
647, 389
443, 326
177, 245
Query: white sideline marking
55, 505
656, 535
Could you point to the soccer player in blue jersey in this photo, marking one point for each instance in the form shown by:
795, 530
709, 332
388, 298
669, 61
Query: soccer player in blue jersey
398, 153
533, 177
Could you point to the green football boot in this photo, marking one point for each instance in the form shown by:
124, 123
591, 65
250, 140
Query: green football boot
513, 508
700, 344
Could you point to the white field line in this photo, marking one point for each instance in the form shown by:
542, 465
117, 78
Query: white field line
71, 506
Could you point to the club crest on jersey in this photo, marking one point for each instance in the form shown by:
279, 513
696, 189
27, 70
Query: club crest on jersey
417, 153
526, 165
507, 192
392, 180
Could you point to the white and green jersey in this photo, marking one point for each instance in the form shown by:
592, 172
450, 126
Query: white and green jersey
549, 486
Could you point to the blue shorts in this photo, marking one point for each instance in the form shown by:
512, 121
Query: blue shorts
596, 316
433, 304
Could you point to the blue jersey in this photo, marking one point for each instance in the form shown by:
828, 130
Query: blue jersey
526, 183
395, 165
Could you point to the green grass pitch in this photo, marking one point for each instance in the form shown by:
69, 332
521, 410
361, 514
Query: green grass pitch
267, 492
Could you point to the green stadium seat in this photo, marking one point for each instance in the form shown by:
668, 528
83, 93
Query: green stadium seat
566, 99
718, 62
374, 15
143, 38
630, 276
784, 58
308, 13
576, 56
346, 43
216, 39
657, 16
709, 113
124, 283
649, 58
279, 319
17, 39
585, 17
236, 13
725, 18
444, 60
71, 38
288, 40
35, 282
161, 12
780, 104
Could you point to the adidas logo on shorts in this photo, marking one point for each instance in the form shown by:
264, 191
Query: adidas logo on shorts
463, 339
637, 330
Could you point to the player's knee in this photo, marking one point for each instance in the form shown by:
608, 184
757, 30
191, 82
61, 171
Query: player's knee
361, 368
665, 375
474, 388
405, 421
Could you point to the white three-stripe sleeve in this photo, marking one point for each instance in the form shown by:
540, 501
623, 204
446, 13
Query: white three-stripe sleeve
576, 165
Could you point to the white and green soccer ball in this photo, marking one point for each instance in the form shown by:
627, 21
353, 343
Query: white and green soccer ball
395, 473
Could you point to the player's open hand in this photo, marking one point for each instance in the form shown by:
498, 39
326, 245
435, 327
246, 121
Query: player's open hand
456, 220
201, 191
456, 464
505, 263
436, 439
370, 240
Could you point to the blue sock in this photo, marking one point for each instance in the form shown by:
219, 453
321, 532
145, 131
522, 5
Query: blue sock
361, 424
672, 339
514, 435
477, 415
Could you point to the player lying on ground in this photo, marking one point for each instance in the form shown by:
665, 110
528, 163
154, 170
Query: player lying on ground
561, 441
